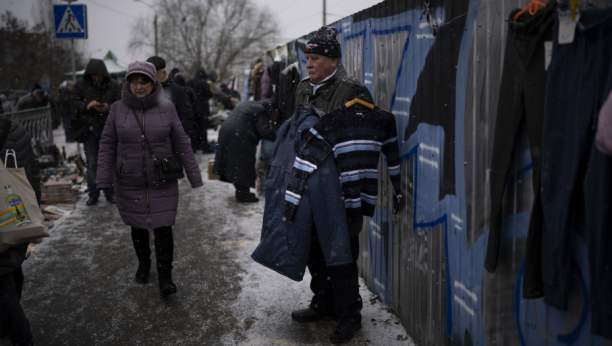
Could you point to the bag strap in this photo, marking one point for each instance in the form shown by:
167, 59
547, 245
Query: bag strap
144, 135
5, 132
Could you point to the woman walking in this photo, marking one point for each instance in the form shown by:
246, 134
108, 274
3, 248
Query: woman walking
144, 201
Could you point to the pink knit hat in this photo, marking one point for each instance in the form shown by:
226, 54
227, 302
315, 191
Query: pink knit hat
142, 67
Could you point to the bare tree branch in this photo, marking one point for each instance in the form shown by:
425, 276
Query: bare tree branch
206, 34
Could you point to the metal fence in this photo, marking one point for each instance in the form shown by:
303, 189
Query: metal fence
437, 66
37, 122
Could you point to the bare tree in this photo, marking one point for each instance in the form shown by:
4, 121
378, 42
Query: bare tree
205, 33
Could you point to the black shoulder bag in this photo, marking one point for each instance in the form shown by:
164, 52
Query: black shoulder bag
167, 168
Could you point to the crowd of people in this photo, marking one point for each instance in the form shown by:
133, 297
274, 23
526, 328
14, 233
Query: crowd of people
135, 127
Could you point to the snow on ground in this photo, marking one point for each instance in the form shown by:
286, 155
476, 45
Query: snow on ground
272, 297
263, 305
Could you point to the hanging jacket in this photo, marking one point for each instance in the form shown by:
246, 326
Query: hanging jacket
356, 138
285, 245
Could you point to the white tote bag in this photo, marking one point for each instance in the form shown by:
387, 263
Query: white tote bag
20, 217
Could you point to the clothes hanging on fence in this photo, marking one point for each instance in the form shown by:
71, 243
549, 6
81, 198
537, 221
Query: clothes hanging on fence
266, 83
356, 137
522, 92
575, 180
255, 83
290, 77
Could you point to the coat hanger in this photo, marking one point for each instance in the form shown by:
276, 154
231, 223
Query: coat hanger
359, 101
532, 7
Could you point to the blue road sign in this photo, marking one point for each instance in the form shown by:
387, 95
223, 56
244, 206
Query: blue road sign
70, 21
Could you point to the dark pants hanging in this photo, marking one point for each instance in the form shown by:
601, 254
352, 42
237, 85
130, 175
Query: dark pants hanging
522, 93
336, 288
13, 323
164, 248
576, 178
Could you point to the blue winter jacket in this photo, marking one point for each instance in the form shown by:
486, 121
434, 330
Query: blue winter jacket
285, 245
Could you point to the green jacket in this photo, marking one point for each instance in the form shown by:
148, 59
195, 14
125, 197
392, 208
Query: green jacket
338, 90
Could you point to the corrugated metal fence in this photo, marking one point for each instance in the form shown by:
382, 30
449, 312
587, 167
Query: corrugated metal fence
441, 78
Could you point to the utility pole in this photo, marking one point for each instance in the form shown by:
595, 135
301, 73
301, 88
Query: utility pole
155, 28
324, 12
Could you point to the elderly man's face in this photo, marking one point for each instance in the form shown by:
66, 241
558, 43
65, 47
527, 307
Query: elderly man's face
320, 67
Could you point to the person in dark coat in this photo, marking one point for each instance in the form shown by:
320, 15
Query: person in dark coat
63, 107
201, 86
91, 99
180, 79
144, 202
174, 93
13, 323
238, 139
36, 99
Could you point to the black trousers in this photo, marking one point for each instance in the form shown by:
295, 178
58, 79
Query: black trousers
576, 177
13, 323
241, 189
336, 289
164, 248
522, 93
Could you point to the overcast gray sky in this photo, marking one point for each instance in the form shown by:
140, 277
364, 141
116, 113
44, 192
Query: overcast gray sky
109, 20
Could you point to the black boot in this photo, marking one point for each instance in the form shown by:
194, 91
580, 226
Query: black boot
309, 315
140, 238
164, 252
92, 201
345, 330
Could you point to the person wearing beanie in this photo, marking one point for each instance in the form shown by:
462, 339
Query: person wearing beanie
328, 85
90, 102
336, 288
174, 93
144, 201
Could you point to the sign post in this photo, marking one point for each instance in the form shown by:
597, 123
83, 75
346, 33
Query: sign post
70, 23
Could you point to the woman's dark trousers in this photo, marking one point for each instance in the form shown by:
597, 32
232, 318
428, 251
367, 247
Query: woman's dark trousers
13, 323
164, 249
336, 288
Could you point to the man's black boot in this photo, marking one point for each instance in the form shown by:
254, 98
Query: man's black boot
110, 199
345, 330
92, 201
309, 315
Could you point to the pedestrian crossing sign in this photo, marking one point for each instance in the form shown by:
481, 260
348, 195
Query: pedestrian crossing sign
70, 21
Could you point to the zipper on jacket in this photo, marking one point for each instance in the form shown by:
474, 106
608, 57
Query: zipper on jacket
144, 168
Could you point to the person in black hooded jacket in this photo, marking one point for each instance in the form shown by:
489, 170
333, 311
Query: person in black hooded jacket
13, 323
91, 99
